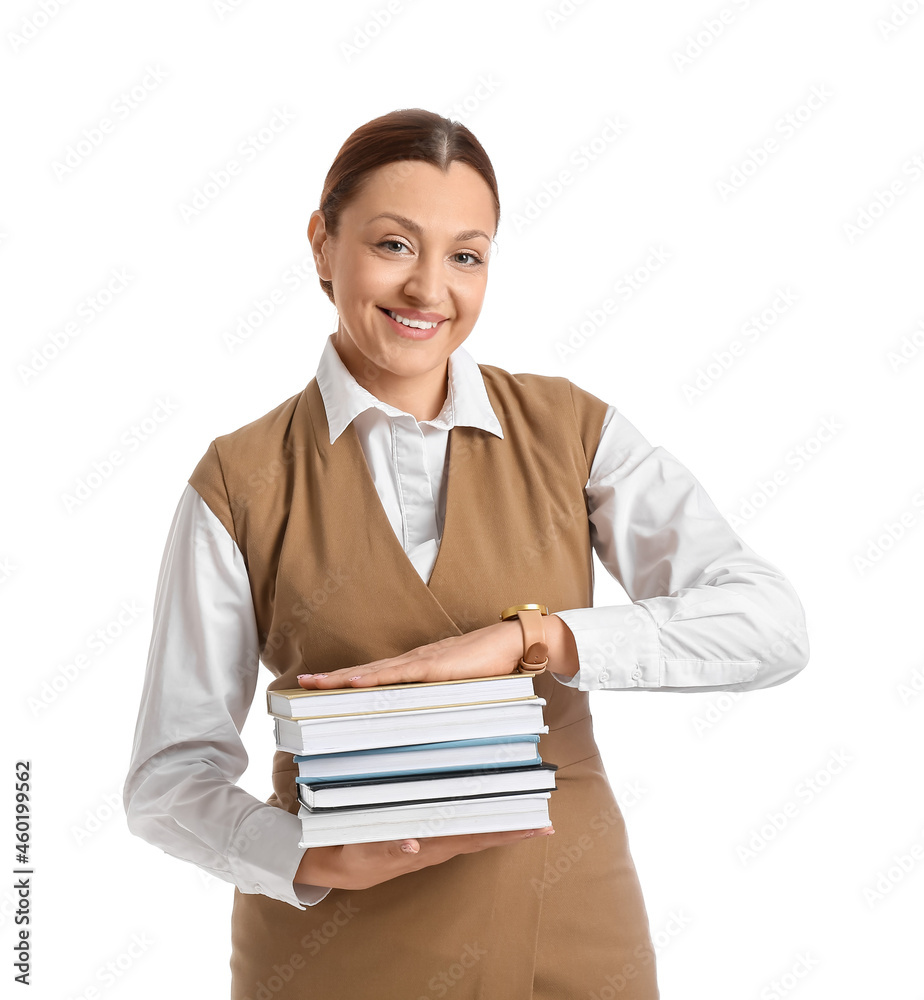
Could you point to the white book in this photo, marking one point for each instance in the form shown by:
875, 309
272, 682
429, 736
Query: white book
302, 703
362, 732
434, 787
425, 819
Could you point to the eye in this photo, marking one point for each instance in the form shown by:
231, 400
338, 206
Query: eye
475, 261
389, 244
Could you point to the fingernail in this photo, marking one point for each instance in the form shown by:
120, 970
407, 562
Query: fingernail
320, 675
301, 677
408, 848
355, 677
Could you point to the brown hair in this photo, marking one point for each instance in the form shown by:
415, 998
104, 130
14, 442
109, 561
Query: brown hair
407, 134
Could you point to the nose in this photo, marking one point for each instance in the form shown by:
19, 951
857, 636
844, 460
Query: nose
426, 283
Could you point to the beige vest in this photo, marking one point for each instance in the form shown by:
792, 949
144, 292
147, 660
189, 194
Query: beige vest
551, 917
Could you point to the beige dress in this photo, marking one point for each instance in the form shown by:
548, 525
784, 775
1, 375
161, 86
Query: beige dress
554, 918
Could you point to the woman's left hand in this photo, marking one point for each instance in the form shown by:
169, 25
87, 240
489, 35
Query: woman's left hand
485, 652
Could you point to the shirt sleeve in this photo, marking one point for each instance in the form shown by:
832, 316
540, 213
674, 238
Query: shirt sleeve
707, 612
180, 793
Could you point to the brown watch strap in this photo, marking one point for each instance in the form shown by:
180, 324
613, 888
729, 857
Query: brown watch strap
535, 656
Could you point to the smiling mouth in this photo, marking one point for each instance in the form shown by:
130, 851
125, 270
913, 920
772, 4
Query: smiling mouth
413, 324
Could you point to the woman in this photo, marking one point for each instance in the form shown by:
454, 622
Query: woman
370, 530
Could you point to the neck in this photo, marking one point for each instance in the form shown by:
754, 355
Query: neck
421, 395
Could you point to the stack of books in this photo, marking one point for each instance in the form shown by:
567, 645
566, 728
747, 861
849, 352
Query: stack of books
426, 759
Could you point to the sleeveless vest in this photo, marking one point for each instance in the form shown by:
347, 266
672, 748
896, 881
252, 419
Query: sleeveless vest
552, 917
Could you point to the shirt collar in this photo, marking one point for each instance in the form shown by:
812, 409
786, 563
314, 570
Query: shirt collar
466, 403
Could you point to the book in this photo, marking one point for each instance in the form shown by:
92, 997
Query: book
424, 819
402, 789
300, 703
420, 758
378, 729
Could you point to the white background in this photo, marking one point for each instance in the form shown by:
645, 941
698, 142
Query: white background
700, 776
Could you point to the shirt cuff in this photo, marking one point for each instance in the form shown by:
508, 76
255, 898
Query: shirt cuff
618, 647
266, 856
310, 894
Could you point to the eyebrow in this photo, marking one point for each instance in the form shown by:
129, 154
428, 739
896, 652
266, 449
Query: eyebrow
410, 224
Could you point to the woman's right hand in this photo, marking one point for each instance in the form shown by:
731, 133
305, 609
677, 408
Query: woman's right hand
359, 866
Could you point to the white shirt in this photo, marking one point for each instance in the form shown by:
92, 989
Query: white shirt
708, 614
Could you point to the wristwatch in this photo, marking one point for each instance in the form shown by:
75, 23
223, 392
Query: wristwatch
535, 656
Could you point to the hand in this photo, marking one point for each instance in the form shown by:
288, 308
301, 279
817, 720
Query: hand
359, 866
485, 652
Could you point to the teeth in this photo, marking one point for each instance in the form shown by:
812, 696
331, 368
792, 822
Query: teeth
418, 324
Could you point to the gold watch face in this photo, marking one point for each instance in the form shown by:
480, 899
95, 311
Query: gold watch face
515, 609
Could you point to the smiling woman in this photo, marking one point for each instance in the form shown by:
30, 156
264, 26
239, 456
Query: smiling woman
407, 272
401, 247
409, 516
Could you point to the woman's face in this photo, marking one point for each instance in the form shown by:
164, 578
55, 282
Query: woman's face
414, 241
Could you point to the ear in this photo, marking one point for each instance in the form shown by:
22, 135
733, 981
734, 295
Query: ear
318, 237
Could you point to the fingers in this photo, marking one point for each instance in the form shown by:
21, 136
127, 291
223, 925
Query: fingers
398, 670
359, 866
361, 676
482, 841
433, 850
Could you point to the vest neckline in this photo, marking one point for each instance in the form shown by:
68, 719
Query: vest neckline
381, 531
